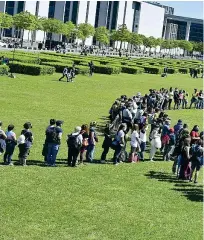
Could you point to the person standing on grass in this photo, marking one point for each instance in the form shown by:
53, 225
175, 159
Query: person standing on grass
178, 126
143, 140
184, 172
196, 159
74, 142
118, 143
91, 68
93, 139
45, 146
176, 99
26, 144
65, 73
10, 145
2, 139
194, 98
134, 142
85, 135
155, 142
169, 147
106, 143
171, 96
54, 136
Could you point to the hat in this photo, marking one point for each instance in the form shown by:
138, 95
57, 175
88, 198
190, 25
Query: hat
59, 122
77, 129
171, 130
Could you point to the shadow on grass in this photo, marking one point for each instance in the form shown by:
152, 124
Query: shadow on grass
191, 191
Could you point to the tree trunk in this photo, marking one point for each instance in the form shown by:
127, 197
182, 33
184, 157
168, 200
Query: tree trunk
121, 45
50, 41
44, 39
28, 35
32, 35
22, 38
2, 32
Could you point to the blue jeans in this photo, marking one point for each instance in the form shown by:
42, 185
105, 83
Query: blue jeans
52, 151
90, 153
143, 148
9, 152
117, 153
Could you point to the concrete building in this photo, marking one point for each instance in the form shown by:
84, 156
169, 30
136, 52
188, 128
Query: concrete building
147, 18
183, 28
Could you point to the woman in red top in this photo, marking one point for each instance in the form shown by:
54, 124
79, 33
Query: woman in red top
195, 134
85, 135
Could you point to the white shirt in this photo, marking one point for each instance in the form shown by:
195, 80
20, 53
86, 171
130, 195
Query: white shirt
120, 135
143, 136
134, 137
10, 135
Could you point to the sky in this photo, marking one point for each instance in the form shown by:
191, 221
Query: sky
192, 9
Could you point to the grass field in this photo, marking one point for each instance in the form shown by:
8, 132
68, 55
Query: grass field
96, 201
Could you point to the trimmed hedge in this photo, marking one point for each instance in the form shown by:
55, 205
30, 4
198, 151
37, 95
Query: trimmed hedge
104, 69
152, 70
59, 66
4, 69
31, 69
183, 70
131, 70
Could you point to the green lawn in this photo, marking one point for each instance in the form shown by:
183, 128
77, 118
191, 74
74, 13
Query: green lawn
96, 201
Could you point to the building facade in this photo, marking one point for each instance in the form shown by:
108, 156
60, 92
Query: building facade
147, 18
183, 28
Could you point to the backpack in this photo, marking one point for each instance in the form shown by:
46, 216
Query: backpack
196, 153
52, 135
72, 141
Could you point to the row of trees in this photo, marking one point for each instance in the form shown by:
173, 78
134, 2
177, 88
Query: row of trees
27, 21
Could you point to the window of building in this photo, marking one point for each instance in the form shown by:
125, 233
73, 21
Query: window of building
66, 12
109, 13
97, 14
51, 11
10, 7
115, 15
20, 6
181, 32
196, 32
75, 11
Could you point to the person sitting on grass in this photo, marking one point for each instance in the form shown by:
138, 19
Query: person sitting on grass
10, 145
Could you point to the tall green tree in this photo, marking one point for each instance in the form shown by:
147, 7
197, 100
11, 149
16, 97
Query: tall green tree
135, 40
186, 46
68, 29
25, 21
123, 35
85, 30
6, 22
102, 35
52, 25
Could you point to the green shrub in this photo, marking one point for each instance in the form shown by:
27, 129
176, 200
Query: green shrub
131, 70
31, 69
59, 66
4, 69
107, 69
152, 70
183, 70
82, 70
171, 70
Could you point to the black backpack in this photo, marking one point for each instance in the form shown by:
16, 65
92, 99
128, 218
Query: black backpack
52, 135
72, 141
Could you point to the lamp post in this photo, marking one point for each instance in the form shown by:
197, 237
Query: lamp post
14, 49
